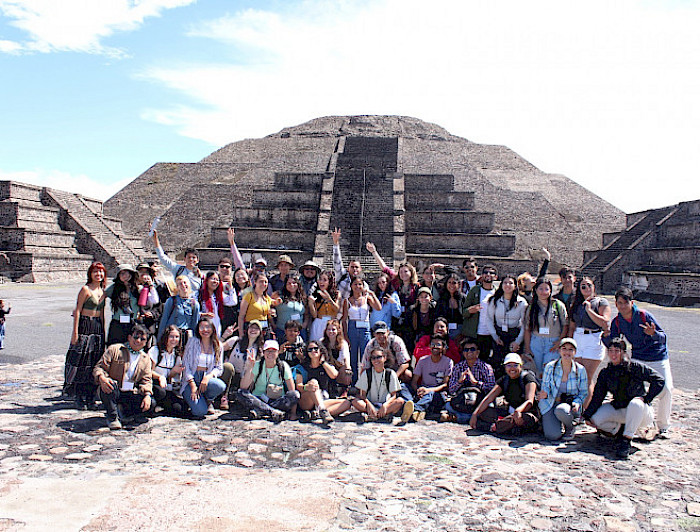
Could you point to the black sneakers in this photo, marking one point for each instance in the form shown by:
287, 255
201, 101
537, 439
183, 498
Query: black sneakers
624, 447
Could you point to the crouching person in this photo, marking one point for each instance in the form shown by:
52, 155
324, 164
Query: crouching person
379, 387
267, 388
631, 405
124, 376
518, 388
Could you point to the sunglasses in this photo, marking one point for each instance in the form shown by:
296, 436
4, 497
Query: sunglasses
375, 358
314, 348
586, 286
488, 272
139, 337
469, 349
225, 266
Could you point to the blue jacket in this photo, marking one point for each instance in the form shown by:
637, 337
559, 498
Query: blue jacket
183, 313
576, 385
644, 347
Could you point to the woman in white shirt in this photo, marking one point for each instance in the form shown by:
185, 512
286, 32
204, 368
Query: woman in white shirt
203, 361
166, 371
505, 312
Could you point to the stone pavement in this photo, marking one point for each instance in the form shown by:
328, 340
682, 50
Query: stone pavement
61, 469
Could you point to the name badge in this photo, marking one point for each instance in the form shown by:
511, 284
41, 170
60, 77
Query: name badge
124, 318
127, 386
362, 324
544, 330
452, 326
296, 317
504, 327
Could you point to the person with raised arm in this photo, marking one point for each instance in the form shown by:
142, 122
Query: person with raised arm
190, 268
343, 277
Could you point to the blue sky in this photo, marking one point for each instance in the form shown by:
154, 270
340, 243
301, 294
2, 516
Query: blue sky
92, 93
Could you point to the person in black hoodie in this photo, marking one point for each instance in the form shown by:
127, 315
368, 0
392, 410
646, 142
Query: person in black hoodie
631, 403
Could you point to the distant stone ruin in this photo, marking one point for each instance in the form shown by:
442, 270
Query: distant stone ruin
416, 191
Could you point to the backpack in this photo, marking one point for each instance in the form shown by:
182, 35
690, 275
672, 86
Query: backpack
387, 379
521, 380
280, 368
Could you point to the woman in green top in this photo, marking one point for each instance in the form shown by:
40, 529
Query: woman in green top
124, 297
87, 341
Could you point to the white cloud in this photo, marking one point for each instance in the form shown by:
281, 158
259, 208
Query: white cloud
606, 93
77, 25
79, 183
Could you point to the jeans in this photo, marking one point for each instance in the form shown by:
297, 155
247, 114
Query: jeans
558, 419
431, 402
637, 414
2, 335
215, 388
665, 398
359, 337
405, 392
462, 417
130, 403
257, 405
540, 347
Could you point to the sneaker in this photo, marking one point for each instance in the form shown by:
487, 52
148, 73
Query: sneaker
115, 425
447, 417
663, 434
277, 416
407, 412
305, 416
568, 434
326, 417
210, 409
418, 416
363, 417
624, 447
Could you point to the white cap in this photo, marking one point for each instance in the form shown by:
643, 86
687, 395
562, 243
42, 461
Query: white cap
271, 344
513, 357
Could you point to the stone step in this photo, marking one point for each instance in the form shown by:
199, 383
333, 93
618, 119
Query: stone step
428, 182
460, 243
209, 257
450, 221
686, 258
294, 218
28, 214
18, 238
443, 199
271, 238
275, 198
44, 267
13, 190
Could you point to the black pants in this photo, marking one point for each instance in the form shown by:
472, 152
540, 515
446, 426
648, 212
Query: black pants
173, 404
129, 401
484, 342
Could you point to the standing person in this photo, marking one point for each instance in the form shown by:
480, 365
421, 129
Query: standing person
124, 376
309, 277
434, 372
470, 268
590, 316
648, 341
406, 285
181, 310
203, 361
526, 281
387, 296
166, 372
87, 342
518, 388
277, 281
545, 325
422, 316
564, 390
213, 300
324, 304
231, 303
150, 306
3, 312
356, 309
124, 298
267, 387
505, 316
292, 306
451, 304
475, 316
190, 269
630, 407
567, 278
429, 280
344, 277
256, 305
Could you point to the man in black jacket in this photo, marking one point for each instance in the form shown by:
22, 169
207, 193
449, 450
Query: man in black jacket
631, 404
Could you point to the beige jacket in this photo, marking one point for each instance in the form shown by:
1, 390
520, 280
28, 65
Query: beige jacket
115, 363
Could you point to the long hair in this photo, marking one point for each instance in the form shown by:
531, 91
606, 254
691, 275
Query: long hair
578, 298
287, 295
445, 293
389, 287
332, 288
205, 296
412, 269
235, 283
534, 308
122, 292
339, 340
163, 343
96, 266
216, 343
306, 360
498, 294
244, 342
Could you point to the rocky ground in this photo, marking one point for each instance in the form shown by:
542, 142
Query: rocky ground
62, 469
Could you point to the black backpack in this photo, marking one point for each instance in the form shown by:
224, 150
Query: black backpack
387, 379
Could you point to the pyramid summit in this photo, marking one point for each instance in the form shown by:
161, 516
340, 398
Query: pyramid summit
415, 190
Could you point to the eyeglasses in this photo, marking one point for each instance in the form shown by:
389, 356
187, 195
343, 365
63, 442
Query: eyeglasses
225, 266
586, 286
469, 349
376, 358
435, 346
488, 272
314, 348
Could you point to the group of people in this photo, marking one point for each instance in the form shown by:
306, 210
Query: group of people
307, 343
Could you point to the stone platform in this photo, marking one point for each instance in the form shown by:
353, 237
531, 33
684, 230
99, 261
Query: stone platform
61, 469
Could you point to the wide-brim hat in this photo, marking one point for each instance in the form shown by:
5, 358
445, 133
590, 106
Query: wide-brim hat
287, 259
125, 267
144, 265
312, 264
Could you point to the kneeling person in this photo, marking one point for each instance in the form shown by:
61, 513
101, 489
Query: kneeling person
124, 376
625, 379
518, 387
379, 387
